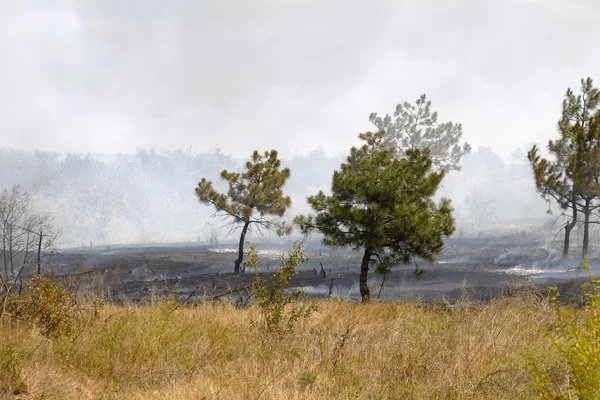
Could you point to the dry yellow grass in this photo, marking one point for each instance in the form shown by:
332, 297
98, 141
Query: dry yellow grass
343, 351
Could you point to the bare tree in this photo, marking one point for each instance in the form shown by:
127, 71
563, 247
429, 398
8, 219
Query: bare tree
479, 206
212, 234
25, 233
102, 203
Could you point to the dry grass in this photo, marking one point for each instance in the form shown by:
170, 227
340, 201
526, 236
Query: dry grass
343, 351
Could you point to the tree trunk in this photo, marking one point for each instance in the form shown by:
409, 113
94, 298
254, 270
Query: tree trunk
381, 287
568, 229
4, 256
586, 228
40, 254
10, 254
27, 248
365, 294
238, 262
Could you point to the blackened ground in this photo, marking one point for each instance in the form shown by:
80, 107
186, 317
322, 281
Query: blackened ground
477, 268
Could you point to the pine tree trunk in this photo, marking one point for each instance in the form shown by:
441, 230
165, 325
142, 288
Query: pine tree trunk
586, 228
566, 243
365, 294
238, 262
568, 229
381, 287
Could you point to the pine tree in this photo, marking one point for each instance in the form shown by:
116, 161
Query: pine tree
382, 204
572, 178
254, 197
416, 127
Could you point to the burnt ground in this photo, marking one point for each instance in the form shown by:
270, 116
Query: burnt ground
479, 268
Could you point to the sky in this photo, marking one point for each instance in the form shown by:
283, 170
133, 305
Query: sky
112, 76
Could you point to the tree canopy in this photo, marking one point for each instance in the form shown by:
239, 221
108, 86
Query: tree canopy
416, 127
382, 204
253, 197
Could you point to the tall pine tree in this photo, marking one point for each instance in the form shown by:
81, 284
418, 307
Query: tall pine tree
382, 205
572, 178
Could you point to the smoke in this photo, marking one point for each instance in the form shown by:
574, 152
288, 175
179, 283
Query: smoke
111, 77
149, 197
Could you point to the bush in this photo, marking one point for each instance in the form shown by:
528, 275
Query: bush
275, 305
576, 336
48, 306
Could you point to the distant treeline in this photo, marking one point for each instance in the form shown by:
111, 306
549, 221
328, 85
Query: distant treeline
148, 196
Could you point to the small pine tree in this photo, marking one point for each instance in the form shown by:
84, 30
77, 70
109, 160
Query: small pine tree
254, 197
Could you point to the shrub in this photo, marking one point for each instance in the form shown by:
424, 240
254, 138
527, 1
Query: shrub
278, 314
48, 305
576, 336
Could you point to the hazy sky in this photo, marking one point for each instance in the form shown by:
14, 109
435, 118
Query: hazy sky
111, 75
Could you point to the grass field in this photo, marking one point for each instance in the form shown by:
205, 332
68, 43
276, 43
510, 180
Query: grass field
344, 350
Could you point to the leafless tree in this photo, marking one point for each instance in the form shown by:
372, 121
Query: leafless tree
479, 206
212, 234
101, 204
25, 233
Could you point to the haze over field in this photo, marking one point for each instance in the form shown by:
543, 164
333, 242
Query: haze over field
301, 77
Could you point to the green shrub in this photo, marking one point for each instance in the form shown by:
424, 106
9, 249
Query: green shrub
278, 313
576, 336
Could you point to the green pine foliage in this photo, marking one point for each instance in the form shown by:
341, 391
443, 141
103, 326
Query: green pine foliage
415, 126
254, 196
383, 205
571, 178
